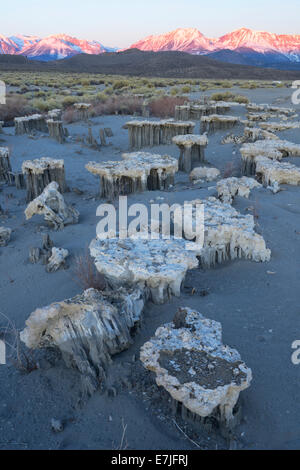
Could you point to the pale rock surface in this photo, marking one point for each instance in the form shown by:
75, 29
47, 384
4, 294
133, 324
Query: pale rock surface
229, 188
52, 206
273, 149
5, 234
279, 126
192, 150
139, 171
228, 234
193, 365
87, 329
57, 259
158, 265
204, 173
272, 172
216, 122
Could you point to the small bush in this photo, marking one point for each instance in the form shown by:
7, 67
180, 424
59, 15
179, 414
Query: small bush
165, 106
86, 274
227, 96
186, 89
117, 105
15, 106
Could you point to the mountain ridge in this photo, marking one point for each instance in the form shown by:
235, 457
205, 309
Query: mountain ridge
134, 62
241, 46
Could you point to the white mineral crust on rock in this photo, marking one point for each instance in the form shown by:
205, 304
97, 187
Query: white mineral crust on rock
274, 149
273, 173
192, 150
228, 234
57, 259
149, 133
139, 171
5, 234
190, 140
87, 329
53, 207
159, 265
193, 365
279, 126
261, 108
204, 173
228, 188
252, 134
40, 165
215, 122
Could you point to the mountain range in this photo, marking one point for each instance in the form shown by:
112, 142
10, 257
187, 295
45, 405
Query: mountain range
53, 47
243, 46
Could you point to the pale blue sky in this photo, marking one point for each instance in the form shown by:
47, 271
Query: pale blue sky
122, 22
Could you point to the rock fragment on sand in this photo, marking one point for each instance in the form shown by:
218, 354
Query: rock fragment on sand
204, 173
5, 166
5, 234
57, 259
157, 265
273, 173
229, 188
273, 149
87, 329
192, 364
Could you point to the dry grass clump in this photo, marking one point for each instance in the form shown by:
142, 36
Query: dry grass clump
86, 274
165, 106
18, 354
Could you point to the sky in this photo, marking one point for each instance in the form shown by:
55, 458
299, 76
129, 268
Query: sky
120, 23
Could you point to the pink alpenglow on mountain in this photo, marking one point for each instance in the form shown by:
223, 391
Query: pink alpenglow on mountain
186, 40
243, 46
260, 41
54, 47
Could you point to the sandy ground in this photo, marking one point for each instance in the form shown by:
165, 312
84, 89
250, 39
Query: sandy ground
259, 312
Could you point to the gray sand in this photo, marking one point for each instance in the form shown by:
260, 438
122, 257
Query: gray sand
259, 311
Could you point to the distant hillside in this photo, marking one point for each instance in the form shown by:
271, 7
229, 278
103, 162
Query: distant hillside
169, 64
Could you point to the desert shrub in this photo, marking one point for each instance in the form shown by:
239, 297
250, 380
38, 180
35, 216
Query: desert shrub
227, 96
120, 84
226, 84
186, 89
86, 274
165, 106
69, 100
249, 85
15, 106
240, 99
222, 96
117, 105
71, 115
174, 91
